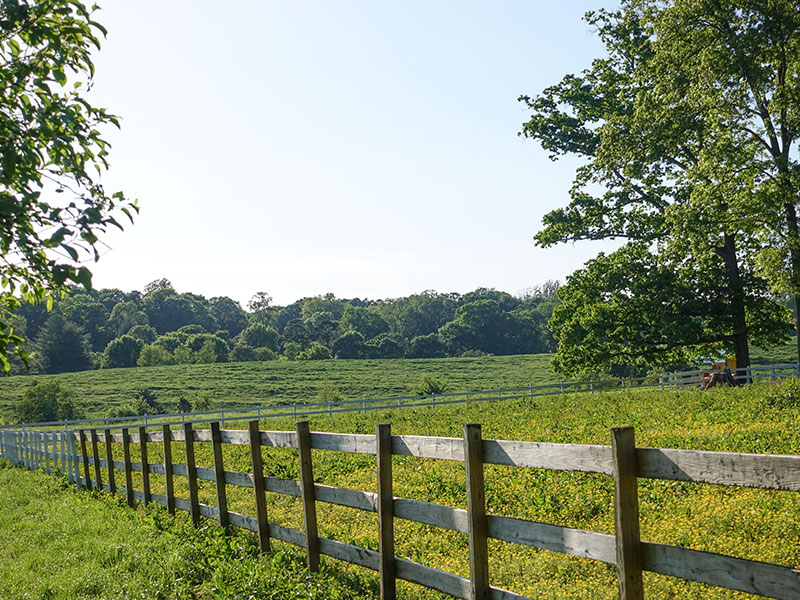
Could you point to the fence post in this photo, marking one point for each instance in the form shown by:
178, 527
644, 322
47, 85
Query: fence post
258, 486
498, 394
383, 434
219, 476
112, 484
433, 400
191, 472
294, 410
364, 405
145, 465
626, 514
62, 439
168, 477
126, 458
476, 514
466, 396
85, 460
96, 459
531, 390
308, 494
330, 407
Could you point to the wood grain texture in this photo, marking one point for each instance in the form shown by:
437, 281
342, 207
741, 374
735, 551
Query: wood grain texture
95, 458
349, 553
344, 442
626, 515
765, 471
446, 517
386, 570
144, 465
257, 462
428, 447
219, 475
126, 453
749, 576
191, 473
556, 457
429, 577
576, 542
307, 493
476, 513
87, 473
344, 497
169, 481
110, 466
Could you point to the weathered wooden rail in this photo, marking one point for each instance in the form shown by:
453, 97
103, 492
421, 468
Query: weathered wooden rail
58, 450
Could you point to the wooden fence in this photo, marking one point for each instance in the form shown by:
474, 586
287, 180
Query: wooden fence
622, 460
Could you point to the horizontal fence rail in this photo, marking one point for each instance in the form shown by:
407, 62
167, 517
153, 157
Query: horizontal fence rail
622, 460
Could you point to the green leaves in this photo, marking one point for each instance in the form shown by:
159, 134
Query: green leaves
52, 209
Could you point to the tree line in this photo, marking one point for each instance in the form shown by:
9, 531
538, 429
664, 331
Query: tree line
109, 328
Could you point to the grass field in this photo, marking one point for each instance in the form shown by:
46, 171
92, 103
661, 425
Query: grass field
266, 383
755, 524
63, 545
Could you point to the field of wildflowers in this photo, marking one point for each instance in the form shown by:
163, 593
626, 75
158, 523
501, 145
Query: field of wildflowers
754, 524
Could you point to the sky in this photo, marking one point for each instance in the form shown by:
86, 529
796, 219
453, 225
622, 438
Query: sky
368, 149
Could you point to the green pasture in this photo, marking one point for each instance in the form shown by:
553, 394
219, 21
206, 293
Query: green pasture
273, 382
753, 524
63, 545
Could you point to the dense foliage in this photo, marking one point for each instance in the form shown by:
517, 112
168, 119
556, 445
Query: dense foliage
108, 328
52, 204
686, 129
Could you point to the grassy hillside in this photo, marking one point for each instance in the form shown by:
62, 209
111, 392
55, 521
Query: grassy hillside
265, 383
754, 524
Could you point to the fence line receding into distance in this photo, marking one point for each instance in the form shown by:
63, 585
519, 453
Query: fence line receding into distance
677, 380
58, 450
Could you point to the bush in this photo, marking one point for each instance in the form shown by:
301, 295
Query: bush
261, 336
47, 401
315, 352
428, 384
154, 356
144, 403
145, 333
291, 350
122, 352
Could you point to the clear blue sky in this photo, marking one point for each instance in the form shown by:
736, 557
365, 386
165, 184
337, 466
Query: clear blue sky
363, 148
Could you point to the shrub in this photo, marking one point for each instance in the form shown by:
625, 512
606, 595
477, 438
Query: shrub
145, 333
315, 352
122, 352
144, 403
47, 401
428, 384
154, 356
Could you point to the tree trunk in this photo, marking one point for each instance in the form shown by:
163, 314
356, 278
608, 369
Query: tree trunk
794, 255
737, 304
